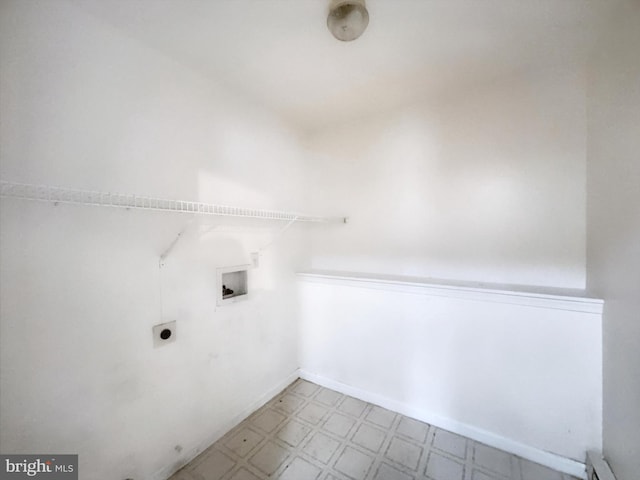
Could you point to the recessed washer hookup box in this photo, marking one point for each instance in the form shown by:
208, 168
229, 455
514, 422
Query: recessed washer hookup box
232, 284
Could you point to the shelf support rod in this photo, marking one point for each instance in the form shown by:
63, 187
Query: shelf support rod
167, 251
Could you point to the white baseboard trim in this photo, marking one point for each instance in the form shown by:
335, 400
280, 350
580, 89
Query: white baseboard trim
598, 468
547, 459
166, 472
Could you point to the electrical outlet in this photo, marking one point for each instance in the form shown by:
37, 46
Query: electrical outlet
164, 333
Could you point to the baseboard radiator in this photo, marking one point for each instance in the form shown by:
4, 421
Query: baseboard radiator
598, 468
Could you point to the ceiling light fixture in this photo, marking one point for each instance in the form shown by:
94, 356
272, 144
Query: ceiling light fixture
347, 19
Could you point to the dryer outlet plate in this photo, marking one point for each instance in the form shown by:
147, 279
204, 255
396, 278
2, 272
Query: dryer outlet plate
164, 334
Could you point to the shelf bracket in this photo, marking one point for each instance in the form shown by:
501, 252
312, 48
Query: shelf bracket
278, 235
167, 251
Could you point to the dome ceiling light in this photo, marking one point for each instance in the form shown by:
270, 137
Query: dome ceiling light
347, 19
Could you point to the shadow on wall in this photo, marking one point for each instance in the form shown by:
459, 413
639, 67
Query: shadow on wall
485, 187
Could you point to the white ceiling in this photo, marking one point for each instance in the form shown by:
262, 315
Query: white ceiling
280, 53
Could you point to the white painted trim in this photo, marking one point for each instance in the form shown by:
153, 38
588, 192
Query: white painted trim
226, 427
560, 301
548, 459
596, 464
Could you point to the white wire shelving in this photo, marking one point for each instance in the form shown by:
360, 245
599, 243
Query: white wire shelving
48, 193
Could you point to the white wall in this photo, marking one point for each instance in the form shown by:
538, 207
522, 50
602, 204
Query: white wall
614, 230
487, 184
83, 106
493, 367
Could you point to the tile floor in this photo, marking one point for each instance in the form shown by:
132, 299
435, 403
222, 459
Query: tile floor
308, 432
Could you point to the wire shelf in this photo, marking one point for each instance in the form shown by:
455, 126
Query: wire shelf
47, 193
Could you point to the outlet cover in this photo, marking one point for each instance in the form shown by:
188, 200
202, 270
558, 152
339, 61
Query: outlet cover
164, 333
